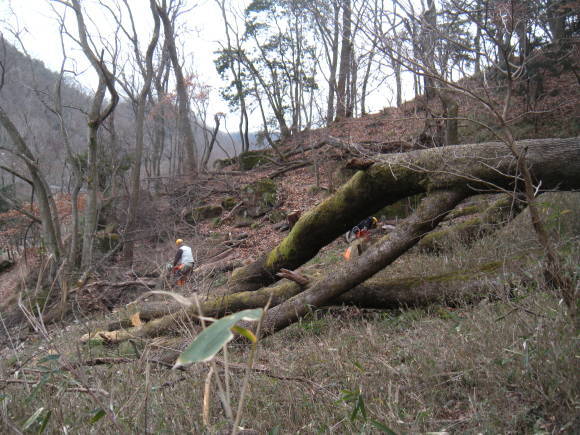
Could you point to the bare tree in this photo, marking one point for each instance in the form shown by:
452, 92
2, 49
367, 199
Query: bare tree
96, 116
139, 99
234, 65
169, 12
345, 60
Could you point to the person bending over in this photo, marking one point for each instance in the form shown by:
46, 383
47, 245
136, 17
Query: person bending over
183, 262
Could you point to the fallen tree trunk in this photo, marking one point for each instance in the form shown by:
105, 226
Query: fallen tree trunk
340, 278
555, 163
344, 277
168, 315
380, 291
498, 213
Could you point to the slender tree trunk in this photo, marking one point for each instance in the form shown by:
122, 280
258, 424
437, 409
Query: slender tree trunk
186, 131
147, 71
333, 65
91, 206
345, 61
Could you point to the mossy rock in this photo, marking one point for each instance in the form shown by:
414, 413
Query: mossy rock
260, 197
314, 190
218, 237
243, 221
251, 159
229, 202
203, 212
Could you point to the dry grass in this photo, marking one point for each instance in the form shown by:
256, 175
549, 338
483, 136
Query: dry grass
506, 365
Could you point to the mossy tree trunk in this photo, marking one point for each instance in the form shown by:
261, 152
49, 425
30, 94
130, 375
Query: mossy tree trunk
337, 281
342, 278
486, 166
379, 291
496, 214
383, 291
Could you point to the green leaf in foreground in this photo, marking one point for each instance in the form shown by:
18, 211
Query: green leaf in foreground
245, 333
213, 338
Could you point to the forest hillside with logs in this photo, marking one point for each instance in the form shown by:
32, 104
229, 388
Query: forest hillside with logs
410, 270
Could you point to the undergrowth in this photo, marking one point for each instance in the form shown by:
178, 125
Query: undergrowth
505, 365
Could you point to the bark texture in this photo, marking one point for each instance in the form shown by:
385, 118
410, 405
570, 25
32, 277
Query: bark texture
553, 162
342, 278
499, 212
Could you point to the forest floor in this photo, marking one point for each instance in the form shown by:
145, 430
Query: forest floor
507, 364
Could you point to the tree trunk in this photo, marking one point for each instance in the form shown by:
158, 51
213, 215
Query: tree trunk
383, 291
333, 66
501, 211
553, 162
185, 129
147, 72
342, 278
450, 113
379, 291
91, 208
345, 61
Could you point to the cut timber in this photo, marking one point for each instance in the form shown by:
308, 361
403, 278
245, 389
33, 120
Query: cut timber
499, 212
486, 166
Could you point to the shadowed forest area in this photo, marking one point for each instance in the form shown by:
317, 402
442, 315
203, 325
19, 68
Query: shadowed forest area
386, 240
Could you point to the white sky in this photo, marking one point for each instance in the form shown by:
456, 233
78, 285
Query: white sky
39, 31
38, 28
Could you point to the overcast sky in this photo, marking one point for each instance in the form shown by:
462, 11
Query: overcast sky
38, 28
39, 31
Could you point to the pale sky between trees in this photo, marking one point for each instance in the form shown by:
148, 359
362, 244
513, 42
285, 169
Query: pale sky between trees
38, 29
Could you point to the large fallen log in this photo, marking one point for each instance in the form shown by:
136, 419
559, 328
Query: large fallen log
337, 281
342, 277
168, 316
452, 288
379, 291
555, 164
